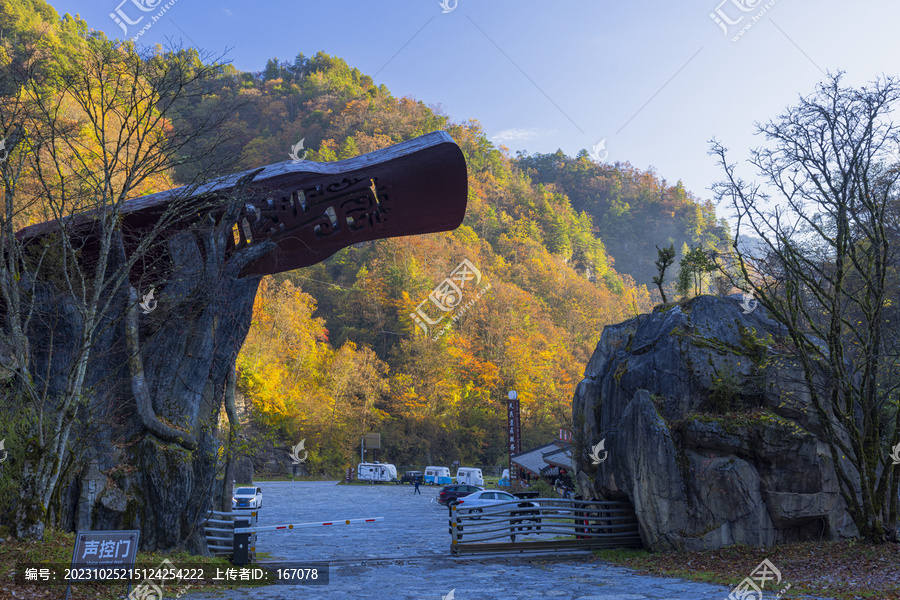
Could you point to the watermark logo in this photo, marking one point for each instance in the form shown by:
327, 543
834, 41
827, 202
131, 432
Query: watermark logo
295, 150
5, 453
148, 589
123, 20
895, 455
295, 452
450, 596
734, 16
751, 588
120, 18
723, 20
599, 151
595, 452
749, 303
149, 303
447, 297
445, 4
4, 153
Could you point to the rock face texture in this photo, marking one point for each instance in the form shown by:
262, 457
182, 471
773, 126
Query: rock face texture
709, 431
149, 384
261, 457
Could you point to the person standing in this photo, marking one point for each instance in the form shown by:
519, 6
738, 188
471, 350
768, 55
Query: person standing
416, 482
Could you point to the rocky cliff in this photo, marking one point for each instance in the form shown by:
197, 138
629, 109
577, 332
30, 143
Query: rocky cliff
121, 388
709, 430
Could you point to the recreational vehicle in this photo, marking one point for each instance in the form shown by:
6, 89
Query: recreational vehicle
376, 472
469, 475
438, 476
504, 479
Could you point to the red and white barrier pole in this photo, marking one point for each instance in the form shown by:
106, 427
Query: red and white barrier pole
299, 525
243, 535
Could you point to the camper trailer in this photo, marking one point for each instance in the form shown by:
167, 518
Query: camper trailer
469, 475
504, 479
376, 472
438, 476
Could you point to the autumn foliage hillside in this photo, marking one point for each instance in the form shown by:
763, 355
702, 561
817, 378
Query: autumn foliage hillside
333, 351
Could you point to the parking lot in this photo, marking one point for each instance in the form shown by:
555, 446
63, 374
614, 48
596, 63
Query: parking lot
408, 555
410, 526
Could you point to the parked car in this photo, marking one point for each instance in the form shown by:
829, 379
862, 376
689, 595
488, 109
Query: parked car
450, 493
411, 476
247, 497
521, 513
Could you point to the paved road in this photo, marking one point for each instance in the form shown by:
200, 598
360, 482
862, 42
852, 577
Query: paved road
407, 557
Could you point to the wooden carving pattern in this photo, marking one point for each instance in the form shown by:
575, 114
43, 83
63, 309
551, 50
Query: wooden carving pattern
309, 210
332, 211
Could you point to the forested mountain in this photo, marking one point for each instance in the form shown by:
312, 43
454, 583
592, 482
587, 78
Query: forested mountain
334, 351
633, 210
552, 291
363, 364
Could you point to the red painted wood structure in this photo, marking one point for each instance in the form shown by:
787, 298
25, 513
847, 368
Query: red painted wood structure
309, 210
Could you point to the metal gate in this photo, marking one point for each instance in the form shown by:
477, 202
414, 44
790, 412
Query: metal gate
219, 530
543, 525
245, 535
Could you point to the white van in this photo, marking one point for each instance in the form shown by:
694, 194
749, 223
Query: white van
438, 476
469, 476
376, 472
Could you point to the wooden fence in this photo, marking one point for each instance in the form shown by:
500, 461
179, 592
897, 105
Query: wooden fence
543, 525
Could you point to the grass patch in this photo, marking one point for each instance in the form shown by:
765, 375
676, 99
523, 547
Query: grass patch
568, 521
357, 482
283, 477
842, 570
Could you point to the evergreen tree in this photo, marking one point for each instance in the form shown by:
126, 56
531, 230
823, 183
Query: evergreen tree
692, 271
272, 70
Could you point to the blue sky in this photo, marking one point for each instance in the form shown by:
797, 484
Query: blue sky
655, 80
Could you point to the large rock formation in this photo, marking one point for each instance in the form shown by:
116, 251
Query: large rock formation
154, 383
709, 431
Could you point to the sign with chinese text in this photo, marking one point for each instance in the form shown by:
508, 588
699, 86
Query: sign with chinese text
96, 549
514, 435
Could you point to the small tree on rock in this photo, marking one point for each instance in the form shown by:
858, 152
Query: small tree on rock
692, 271
664, 259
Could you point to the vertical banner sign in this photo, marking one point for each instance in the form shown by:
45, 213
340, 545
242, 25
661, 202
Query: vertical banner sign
515, 434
